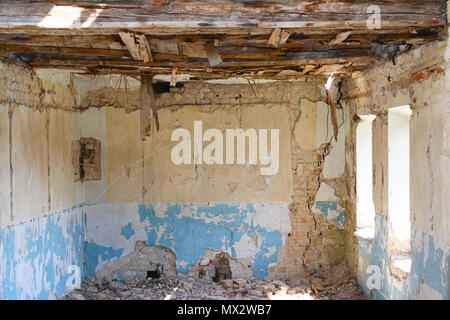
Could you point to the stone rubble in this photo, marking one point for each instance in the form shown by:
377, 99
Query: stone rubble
327, 284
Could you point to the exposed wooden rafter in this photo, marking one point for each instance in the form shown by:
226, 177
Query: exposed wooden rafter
137, 45
91, 15
277, 39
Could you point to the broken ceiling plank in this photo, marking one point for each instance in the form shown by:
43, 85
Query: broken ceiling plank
333, 93
334, 68
138, 46
148, 106
213, 56
278, 37
274, 38
130, 42
285, 34
308, 68
334, 120
173, 77
144, 48
340, 38
334, 123
288, 73
322, 69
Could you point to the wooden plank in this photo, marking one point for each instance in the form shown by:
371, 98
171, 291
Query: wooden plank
334, 120
285, 34
144, 48
322, 69
194, 49
334, 68
297, 61
148, 106
65, 51
130, 42
228, 54
173, 77
308, 68
340, 38
343, 14
274, 38
213, 56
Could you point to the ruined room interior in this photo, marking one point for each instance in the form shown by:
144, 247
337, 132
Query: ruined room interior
348, 198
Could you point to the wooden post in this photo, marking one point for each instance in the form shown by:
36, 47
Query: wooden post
148, 106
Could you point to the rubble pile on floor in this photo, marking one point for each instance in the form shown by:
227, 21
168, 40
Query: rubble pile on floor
331, 284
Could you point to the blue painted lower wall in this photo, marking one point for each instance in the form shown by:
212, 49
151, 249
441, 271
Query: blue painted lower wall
430, 268
253, 231
35, 256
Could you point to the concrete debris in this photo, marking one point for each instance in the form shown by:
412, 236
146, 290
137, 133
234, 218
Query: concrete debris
332, 284
222, 266
145, 261
217, 265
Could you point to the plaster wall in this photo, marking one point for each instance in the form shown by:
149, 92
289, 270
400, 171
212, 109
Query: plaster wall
278, 226
230, 207
419, 78
41, 223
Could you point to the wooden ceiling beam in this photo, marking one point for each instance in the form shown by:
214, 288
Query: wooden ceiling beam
194, 34
226, 53
202, 65
119, 15
276, 38
65, 50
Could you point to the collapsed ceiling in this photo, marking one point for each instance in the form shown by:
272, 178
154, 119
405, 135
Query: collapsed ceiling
278, 39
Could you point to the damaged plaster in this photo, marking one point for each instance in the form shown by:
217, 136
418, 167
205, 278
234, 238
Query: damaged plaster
420, 78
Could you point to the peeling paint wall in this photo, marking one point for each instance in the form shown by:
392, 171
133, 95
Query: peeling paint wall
420, 78
36, 255
41, 221
141, 175
277, 226
242, 230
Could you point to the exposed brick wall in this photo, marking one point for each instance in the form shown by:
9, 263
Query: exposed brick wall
314, 240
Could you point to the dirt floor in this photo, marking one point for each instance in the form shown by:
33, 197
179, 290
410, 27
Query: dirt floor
334, 283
